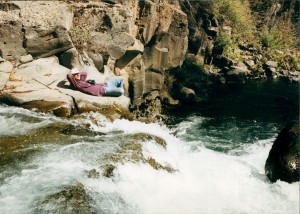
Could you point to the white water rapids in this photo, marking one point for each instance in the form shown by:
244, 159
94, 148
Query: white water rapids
204, 180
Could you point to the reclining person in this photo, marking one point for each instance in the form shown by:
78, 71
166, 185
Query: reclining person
113, 88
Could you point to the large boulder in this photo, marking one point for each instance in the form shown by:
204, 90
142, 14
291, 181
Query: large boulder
41, 84
33, 85
44, 43
237, 74
283, 160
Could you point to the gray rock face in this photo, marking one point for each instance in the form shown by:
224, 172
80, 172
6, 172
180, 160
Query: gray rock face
156, 58
43, 15
69, 58
44, 43
11, 39
173, 35
97, 60
153, 81
136, 71
149, 19
283, 160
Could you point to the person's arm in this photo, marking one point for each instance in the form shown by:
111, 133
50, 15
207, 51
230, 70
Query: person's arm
71, 80
83, 75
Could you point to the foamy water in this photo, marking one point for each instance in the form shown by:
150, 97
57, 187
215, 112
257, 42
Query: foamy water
205, 180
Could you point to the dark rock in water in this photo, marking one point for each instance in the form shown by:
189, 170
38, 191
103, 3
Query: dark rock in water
236, 75
108, 170
283, 160
270, 72
72, 199
187, 95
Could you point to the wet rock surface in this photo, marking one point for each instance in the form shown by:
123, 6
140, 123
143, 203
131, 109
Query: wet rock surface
72, 199
283, 160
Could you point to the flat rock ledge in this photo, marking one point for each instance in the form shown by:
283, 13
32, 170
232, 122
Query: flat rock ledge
42, 84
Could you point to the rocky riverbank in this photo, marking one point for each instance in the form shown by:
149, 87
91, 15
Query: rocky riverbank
142, 41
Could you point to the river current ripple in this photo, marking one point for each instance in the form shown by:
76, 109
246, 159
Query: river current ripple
88, 164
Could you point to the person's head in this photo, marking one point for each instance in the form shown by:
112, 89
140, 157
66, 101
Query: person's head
75, 73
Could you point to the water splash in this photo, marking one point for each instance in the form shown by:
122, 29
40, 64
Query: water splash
205, 180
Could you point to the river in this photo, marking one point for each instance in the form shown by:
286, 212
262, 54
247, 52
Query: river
208, 159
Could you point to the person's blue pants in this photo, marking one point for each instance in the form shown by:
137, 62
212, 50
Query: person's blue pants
114, 87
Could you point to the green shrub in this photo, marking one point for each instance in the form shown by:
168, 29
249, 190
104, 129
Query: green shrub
280, 36
223, 41
237, 14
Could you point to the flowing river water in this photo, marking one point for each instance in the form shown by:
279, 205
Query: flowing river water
205, 161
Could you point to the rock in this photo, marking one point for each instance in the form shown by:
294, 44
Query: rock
271, 64
119, 44
241, 66
213, 31
112, 45
72, 59
152, 95
187, 95
250, 63
222, 80
44, 43
11, 39
173, 35
224, 62
97, 60
21, 15
41, 84
227, 30
25, 59
283, 160
165, 30
69, 58
71, 199
136, 71
130, 54
3, 80
167, 99
6, 67
156, 58
236, 75
45, 14
33, 85
270, 72
153, 81
148, 19
279, 52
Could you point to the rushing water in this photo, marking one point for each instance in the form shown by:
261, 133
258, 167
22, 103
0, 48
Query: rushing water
88, 164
